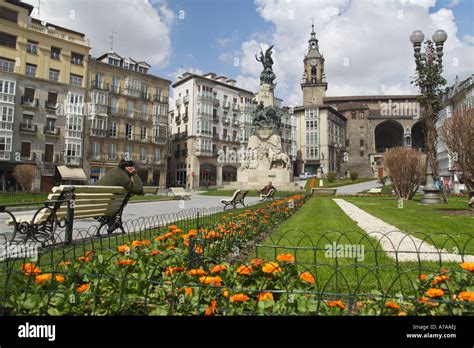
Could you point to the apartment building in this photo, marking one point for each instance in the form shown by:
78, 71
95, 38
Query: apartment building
43, 73
127, 118
210, 124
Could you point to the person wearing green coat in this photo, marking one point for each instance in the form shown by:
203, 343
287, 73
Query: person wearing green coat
124, 175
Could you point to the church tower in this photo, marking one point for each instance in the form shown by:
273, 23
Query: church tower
314, 83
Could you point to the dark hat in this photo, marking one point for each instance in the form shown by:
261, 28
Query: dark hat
123, 163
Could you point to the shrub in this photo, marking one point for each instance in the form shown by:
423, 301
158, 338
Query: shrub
406, 168
24, 174
354, 175
331, 176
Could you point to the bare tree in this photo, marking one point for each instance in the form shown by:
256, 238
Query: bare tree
24, 174
406, 168
457, 134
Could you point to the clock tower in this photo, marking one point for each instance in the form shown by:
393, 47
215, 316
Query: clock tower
314, 83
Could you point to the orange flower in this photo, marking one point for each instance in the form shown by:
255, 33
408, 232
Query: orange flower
177, 230
80, 289
265, 296
169, 234
239, 298
286, 258
434, 292
126, 262
307, 277
30, 269
468, 266
155, 252
172, 227
136, 243
439, 279
171, 247
338, 303
423, 300
188, 291
244, 270
218, 269
402, 314
271, 267
196, 272
467, 296
123, 248
198, 249
40, 279
212, 309
207, 280
146, 242
160, 238
257, 262
84, 258
422, 277
192, 233
170, 270
392, 305
225, 292
64, 263
59, 278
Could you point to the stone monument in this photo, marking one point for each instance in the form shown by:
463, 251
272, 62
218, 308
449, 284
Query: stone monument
264, 159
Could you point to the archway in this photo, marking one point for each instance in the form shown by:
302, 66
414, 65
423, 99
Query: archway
388, 134
229, 173
418, 136
207, 174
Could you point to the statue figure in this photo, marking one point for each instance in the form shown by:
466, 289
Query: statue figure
279, 159
267, 75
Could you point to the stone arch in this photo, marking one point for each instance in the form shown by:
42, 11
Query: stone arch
388, 134
418, 136
229, 173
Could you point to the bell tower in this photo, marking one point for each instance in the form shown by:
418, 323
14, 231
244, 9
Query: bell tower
314, 83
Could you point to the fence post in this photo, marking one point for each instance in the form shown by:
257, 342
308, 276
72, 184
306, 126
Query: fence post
71, 202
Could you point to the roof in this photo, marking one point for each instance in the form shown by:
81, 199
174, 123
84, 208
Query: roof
367, 98
352, 106
189, 76
37, 21
21, 4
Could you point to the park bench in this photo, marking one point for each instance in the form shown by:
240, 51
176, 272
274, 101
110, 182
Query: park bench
180, 193
268, 196
375, 190
237, 198
68, 203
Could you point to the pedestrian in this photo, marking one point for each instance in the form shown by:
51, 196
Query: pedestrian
125, 175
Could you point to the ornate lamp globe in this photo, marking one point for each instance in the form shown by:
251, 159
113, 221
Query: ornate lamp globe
417, 37
439, 36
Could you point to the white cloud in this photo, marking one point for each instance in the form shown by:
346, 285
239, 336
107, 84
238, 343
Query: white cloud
141, 31
181, 70
468, 38
372, 36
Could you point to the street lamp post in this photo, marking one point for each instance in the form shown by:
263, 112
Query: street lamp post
429, 80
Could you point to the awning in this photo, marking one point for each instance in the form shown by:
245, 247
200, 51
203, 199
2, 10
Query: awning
69, 173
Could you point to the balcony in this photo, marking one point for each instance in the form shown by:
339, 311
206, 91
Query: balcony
145, 95
114, 89
185, 118
163, 99
204, 152
226, 105
100, 85
52, 131
178, 102
235, 107
226, 120
215, 136
205, 96
31, 158
5, 155
215, 119
216, 102
205, 114
72, 161
28, 128
178, 120
115, 111
50, 105
98, 132
184, 152
133, 92
184, 135
235, 122
74, 109
98, 109
31, 103
158, 140
186, 99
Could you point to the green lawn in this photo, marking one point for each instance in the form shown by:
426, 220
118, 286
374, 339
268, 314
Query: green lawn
252, 193
343, 182
430, 222
318, 224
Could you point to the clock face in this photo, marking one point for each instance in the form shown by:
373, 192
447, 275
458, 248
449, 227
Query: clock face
314, 62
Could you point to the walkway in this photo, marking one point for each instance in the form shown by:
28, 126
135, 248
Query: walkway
396, 243
356, 188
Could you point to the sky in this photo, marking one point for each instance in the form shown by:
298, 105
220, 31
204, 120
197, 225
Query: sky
365, 42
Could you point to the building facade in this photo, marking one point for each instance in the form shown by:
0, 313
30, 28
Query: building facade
43, 73
211, 124
456, 99
127, 118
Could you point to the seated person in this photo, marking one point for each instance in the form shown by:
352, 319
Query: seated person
263, 192
124, 175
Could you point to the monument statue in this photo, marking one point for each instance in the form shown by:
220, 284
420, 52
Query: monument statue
267, 75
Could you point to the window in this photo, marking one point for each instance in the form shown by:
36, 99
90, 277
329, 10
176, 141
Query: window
32, 47
7, 40
114, 102
130, 107
54, 75
48, 153
129, 131
95, 149
8, 15
27, 121
25, 149
73, 148
112, 151
157, 154
143, 134
30, 70
7, 91
143, 154
144, 110
55, 53
128, 151
115, 84
353, 115
113, 129
7, 65
5, 141
361, 114
361, 142
75, 80
50, 124
29, 94
113, 61
362, 154
77, 58
6, 114
52, 100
